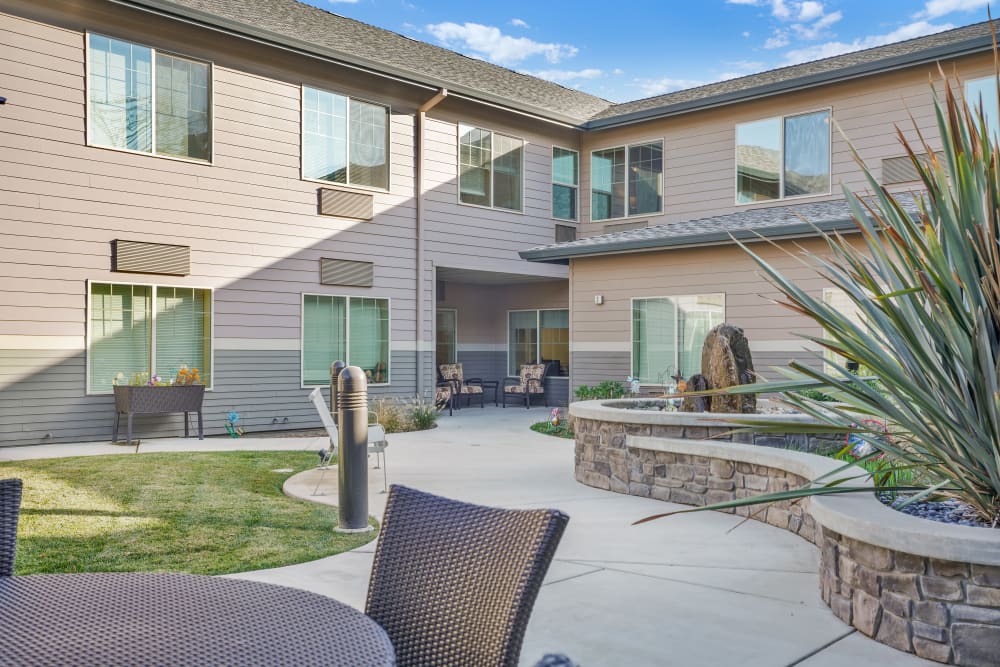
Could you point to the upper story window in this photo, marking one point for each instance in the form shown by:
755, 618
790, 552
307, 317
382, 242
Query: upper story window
783, 157
984, 91
344, 140
146, 101
626, 180
565, 180
490, 168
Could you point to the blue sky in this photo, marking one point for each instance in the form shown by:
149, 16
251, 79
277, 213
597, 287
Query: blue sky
629, 50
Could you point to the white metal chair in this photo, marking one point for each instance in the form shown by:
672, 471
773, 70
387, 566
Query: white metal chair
377, 441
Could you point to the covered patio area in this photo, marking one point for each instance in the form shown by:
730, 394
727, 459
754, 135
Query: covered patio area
493, 323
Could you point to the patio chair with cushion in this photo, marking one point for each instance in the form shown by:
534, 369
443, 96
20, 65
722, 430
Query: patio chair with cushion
467, 387
529, 382
10, 510
454, 583
444, 396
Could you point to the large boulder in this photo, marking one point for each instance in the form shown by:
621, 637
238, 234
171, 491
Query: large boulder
725, 362
697, 382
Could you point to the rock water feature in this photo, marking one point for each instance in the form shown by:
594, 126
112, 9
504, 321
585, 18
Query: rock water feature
725, 362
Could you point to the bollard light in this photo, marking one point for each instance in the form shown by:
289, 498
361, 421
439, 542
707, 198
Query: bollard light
352, 435
335, 369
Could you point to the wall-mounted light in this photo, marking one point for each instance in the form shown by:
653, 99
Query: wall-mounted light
598, 299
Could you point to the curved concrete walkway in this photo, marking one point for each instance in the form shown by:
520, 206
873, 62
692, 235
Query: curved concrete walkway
688, 590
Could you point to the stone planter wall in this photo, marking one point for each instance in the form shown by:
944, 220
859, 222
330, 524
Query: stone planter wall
918, 586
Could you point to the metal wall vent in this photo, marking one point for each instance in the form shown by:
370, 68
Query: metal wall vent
565, 233
141, 257
344, 204
346, 272
900, 169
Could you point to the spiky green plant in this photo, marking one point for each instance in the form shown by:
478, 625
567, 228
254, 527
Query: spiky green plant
925, 284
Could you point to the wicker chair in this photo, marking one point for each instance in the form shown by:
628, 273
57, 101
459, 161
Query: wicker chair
10, 509
454, 583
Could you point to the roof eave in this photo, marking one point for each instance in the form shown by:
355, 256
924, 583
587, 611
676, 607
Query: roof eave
966, 47
237, 29
796, 231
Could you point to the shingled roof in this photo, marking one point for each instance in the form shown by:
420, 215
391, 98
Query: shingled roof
790, 221
292, 24
968, 39
309, 28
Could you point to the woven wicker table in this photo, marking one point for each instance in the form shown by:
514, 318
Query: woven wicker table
179, 619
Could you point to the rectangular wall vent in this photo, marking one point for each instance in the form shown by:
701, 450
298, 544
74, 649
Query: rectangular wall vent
344, 204
900, 169
141, 257
346, 272
565, 233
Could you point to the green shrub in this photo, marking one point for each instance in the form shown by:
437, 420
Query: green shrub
422, 415
605, 390
562, 431
402, 415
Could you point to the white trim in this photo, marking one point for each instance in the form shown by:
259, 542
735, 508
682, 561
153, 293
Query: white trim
553, 181
615, 346
781, 159
347, 332
33, 342
347, 143
259, 344
626, 146
88, 133
458, 167
209, 386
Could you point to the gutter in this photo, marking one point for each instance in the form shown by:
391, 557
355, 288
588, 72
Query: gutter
418, 166
561, 255
219, 24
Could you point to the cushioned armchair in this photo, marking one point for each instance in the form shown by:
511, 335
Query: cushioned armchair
464, 387
529, 382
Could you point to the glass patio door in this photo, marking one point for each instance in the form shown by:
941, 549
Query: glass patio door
446, 348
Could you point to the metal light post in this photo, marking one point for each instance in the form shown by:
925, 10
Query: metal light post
335, 369
352, 435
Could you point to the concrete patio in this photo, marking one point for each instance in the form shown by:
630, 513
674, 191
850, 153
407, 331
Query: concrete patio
688, 590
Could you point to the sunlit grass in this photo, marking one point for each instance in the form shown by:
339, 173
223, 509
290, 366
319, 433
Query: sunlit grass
204, 513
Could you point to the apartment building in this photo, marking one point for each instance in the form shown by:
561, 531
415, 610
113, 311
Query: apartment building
257, 188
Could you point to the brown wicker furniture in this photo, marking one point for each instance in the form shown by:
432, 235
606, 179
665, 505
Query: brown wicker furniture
467, 387
454, 583
133, 618
134, 400
10, 510
530, 381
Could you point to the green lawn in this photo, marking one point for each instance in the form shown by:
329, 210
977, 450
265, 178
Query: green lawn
204, 513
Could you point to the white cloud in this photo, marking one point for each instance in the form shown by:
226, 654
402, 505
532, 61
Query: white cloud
617, 71
780, 10
746, 33
489, 43
520, 23
565, 76
828, 49
778, 40
810, 10
935, 8
815, 30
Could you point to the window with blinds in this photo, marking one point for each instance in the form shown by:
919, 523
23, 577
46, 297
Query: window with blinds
668, 334
147, 329
354, 330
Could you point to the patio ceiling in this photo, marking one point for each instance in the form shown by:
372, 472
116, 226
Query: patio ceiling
473, 277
